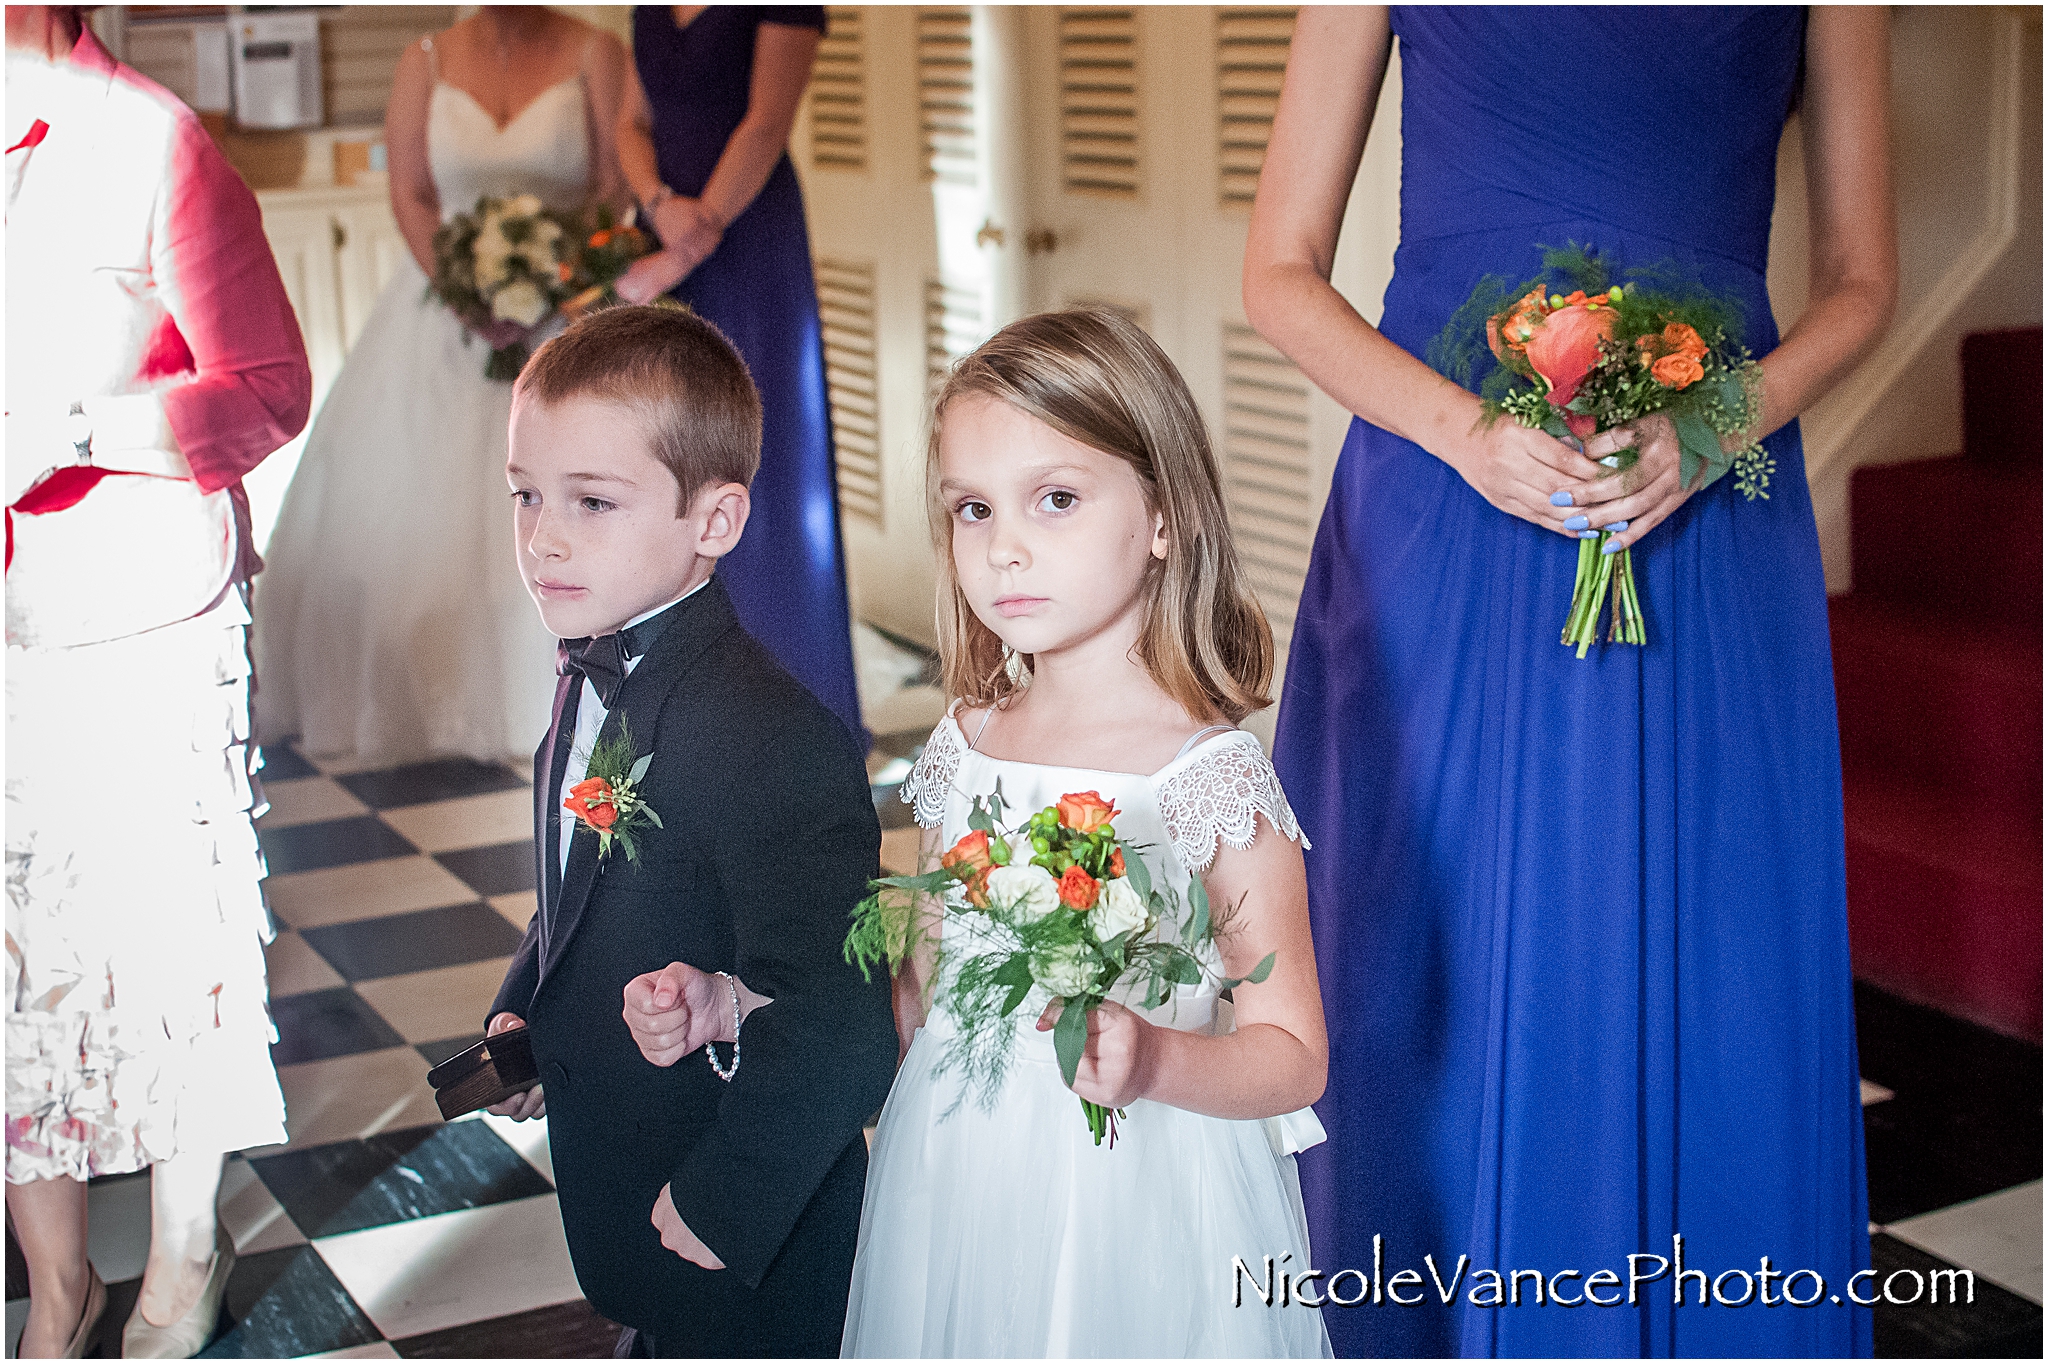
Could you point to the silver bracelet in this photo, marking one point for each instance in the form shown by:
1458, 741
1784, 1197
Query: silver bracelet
710, 1054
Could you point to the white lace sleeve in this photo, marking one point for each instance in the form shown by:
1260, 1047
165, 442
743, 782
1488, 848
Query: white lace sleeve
925, 789
1220, 794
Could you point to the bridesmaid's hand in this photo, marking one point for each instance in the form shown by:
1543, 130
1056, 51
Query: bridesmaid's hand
1118, 1062
1642, 495
1527, 474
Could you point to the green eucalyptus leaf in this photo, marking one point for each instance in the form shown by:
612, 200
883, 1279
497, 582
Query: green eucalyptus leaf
1139, 874
1069, 1038
640, 768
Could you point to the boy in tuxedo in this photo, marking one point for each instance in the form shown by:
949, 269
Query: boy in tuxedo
711, 1201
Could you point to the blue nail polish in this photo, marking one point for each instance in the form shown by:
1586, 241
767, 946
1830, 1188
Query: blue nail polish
1560, 499
1577, 523
1611, 547
1589, 535
1615, 526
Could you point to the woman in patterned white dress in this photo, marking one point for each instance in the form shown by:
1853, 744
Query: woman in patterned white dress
1097, 629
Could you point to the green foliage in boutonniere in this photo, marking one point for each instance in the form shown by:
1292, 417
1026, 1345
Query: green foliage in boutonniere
607, 801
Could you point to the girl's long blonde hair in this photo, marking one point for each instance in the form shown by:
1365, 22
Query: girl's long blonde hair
1093, 376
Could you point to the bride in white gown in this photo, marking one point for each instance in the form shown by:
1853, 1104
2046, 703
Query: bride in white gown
391, 622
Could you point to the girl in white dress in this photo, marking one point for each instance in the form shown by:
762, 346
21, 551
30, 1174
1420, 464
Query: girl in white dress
1100, 636
389, 622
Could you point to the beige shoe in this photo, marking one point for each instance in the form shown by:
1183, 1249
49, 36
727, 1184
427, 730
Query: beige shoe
89, 1320
187, 1336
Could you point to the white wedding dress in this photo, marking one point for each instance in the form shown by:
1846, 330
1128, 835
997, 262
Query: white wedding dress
392, 623
1004, 1230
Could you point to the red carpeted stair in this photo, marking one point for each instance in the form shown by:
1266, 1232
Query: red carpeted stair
1938, 677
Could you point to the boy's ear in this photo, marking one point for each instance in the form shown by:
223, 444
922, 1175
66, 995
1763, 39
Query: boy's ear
720, 512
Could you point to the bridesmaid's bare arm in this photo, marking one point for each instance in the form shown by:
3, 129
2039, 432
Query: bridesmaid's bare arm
782, 69
604, 78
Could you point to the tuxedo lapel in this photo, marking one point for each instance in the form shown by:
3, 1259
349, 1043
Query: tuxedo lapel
552, 763
638, 706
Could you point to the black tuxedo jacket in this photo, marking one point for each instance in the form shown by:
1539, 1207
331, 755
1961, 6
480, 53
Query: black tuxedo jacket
769, 837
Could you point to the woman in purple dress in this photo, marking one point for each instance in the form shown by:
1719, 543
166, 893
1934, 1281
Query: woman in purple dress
703, 140
1581, 924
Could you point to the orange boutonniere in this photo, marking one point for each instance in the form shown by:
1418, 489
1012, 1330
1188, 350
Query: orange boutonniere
607, 802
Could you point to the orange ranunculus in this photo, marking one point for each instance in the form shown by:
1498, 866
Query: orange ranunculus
601, 237
1567, 346
1522, 321
1676, 371
591, 801
1085, 811
1116, 862
563, 272
1078, 889
969, 860
1680, 339
1573, 299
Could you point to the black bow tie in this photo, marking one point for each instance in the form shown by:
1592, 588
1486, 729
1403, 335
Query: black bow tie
602, 659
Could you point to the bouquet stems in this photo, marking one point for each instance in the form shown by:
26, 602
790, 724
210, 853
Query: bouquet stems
1601, 575
1101, 1121
506, 362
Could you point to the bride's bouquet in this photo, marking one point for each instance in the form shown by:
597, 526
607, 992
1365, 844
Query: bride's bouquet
1575, 364
1060, 903
516, 261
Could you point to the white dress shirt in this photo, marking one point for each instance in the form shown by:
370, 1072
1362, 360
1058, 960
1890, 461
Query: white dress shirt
590, 717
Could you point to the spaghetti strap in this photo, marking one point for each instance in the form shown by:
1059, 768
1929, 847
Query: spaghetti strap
1198, 736
989, 715
433, 58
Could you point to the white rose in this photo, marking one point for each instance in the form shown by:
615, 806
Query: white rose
1117, 910
520, 301
522, 206
1065, 971
1026, 891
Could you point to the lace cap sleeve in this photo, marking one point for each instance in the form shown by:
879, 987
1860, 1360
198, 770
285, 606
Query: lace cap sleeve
925, 789
1219, 794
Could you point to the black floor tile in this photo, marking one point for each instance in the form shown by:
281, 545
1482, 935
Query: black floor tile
285, 1303
281, 762
890, 809
568, 1330
396, 1177
1967, 1117
907, 745
1982, 1321
497, 870
331, 843
325, 1023
437, 1052
417, 783
17, 1267
366, 949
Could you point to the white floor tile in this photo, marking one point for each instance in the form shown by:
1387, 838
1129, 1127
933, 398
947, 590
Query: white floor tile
295, 968
1874, 1093
308, 800
1997, 1236
517, 907
377, 1350
364, 890
117, 1227
427, 1006
354, 1096
435, 1272
251, 1215
529, 1139
467, 822
913, 708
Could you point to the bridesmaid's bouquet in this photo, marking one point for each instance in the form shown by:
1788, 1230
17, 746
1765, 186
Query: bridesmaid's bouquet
513, 260
1061, 903
1575, 364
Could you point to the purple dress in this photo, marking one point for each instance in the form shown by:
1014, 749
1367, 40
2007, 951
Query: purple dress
1581, 924
788, 576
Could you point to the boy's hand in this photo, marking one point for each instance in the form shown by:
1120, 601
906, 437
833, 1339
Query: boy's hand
533, 1103
1119, 1059
677, 1236
676, 1010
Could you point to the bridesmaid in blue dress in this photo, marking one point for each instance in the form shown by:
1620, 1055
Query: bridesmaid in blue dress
1581, 924
703, 141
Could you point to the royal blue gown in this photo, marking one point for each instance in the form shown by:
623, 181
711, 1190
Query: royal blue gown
1581, 924
788, 575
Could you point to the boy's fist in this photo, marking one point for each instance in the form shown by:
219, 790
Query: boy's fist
676, 1010
520, 1107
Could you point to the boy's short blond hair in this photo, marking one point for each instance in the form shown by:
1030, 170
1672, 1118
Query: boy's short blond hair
673, 371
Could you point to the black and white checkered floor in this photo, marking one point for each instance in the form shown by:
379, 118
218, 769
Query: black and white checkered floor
381, 1232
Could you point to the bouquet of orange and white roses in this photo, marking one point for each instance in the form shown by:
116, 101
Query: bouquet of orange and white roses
1060, 903
514, 260
1578, 363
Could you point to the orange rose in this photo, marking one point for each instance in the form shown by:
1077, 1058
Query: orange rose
1567, 346
1078, 889
591, 801
1676, 371
969, 860
1679, 339
1085, 812
600, 237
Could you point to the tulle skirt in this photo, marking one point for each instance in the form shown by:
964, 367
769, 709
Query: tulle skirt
137, 1014
1006, 1231
392, 621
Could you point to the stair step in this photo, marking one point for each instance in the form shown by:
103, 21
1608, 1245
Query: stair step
1945, 901
1937, 700
2002, 397
1950, 533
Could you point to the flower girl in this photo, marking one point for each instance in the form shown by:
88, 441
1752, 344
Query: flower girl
1096, 630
